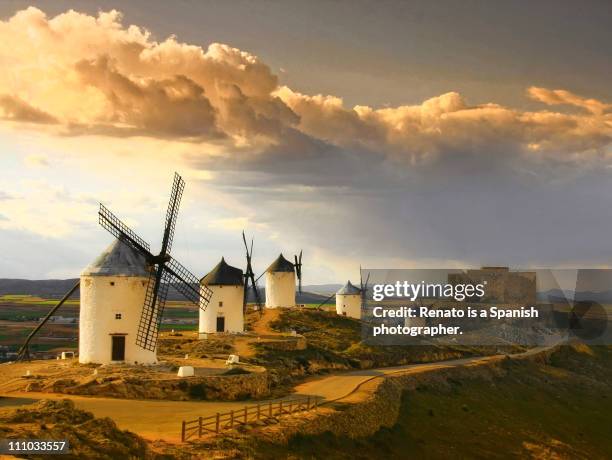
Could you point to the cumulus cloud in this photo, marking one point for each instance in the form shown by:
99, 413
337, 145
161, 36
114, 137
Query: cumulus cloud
441, 180
93, 74
446, 124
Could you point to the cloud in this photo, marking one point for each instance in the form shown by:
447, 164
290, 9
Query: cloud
441, 181
559, 97
15, 109
95, 75
236, 224
447, 124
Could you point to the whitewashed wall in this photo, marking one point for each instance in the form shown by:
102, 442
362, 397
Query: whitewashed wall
232, 298
280, 289
349, 304
100, 302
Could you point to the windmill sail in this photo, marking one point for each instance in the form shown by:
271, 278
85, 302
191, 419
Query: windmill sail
364, 291
165, 270
249, 276
298, 270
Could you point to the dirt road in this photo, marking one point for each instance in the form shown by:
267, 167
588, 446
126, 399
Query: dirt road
162, 419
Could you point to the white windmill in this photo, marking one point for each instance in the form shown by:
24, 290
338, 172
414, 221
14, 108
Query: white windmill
124, 292
348, 301
280, 284
225, 312
113, 289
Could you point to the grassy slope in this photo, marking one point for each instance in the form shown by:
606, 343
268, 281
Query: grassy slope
334, 343
559, 410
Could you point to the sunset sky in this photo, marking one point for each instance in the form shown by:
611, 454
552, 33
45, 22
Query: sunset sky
382, 134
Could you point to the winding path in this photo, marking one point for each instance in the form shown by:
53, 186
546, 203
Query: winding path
162, 419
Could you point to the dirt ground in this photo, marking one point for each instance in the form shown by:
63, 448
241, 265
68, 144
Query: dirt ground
207, 357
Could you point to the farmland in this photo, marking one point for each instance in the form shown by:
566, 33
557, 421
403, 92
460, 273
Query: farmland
19, 314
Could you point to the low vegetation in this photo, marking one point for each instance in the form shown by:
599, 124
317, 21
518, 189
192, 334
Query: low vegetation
334, 343
89, 437
557, 409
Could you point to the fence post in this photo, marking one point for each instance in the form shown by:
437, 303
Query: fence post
183, 432
200, 427
217, 424
270, 409
232, 419
280, 408
290, 406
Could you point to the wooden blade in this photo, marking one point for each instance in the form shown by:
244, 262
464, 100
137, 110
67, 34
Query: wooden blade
152, 310
188, 284
121, 231
171, 214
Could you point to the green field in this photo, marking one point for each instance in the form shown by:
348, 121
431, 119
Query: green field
21, 313
33, 300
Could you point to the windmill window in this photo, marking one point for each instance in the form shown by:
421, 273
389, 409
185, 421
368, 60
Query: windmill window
112, 283
117, 315
220, 303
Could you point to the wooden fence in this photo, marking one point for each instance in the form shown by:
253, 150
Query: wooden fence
232, 419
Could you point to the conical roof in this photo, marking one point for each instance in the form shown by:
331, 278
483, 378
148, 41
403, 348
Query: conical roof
280, 265
349, 289
119, 259
223, 275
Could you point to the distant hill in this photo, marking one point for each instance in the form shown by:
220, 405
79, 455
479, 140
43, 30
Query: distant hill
323, 289
304, 297
53, 289
48, 289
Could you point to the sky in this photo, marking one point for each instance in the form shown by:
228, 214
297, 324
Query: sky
382, 134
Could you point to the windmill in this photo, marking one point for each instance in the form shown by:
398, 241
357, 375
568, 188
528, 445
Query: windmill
249, 276
165, 270
364, 290
162, 269
298, 270
350, 299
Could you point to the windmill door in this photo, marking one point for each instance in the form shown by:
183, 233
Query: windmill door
220, 324
118, 351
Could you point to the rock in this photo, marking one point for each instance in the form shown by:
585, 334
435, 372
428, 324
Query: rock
33, 386
186, 371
